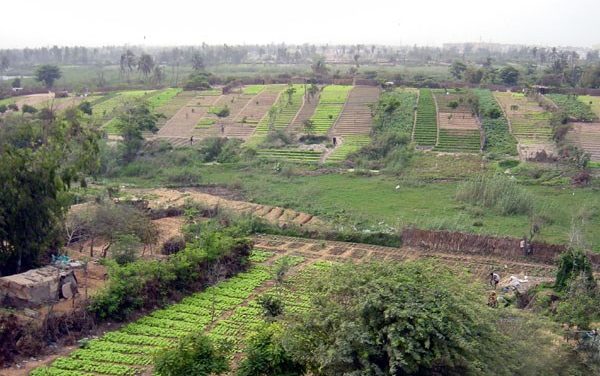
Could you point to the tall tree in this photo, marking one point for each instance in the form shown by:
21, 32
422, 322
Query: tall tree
4, 63
127, 63
48, 74
145, 65
198, 62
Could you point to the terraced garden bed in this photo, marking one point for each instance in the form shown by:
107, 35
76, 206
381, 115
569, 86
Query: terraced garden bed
285, 113
330, 106
498, 138
425, 132
293, 155
458, 140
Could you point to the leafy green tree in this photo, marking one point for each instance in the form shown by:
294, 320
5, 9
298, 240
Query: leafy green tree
312, 91
48, 74
39, 158
197, 81
457, 69
401, 319
265, 355
3, 108
137, 118
16, 83
509, 75
31, 206
195, 355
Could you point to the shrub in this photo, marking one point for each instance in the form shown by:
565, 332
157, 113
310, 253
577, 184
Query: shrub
496, 192
173, 245
272, 306
265, 355
195, 355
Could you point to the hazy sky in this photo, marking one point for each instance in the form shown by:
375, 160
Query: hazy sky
35, 23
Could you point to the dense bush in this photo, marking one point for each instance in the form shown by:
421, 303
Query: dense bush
265, 355
496, 192
173, 245
401, 319
219, 149
195, 355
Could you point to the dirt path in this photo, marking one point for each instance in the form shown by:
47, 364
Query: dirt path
164, 198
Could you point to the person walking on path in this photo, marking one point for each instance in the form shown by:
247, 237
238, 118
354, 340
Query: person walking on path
494, 279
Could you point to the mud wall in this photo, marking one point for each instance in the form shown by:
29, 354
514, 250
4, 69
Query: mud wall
505, 247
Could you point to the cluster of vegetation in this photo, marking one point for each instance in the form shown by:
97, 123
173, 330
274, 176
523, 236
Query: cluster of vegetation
497, 193
410, 318
573, 107
390, 148
147, 284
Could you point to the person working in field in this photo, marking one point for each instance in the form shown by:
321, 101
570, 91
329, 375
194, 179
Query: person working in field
494, 279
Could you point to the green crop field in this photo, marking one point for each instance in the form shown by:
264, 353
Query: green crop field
458, 140
130, 349
292, 155
285, 111
162, 97
530, 123
329, 108
253, 89
498, 138
425, 133
574, 107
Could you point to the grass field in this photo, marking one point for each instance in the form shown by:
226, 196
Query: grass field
593, 102
349, 199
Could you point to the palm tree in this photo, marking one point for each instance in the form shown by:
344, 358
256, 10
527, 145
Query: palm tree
158, 75
127, 63
145, 65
